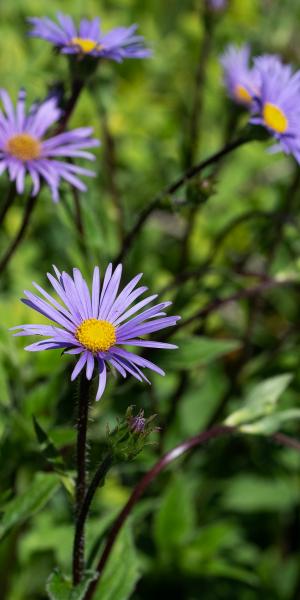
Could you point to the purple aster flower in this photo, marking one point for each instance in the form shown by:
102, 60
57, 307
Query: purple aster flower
25, 149
88, 39
277, 106
96, 326
241, 81
217, 4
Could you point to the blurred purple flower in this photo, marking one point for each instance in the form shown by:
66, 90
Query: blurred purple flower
277, 106
217, 4
88, 39
241, 81
95, 325
24, 149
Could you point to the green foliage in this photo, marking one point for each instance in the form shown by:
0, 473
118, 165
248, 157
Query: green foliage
175, 519
194, 352
60, 588
53, 457
223, 522
20, 508
130, 435
258, 413
122, 570
252, 494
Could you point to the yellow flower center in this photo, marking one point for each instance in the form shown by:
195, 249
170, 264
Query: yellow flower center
275, 118
85, 44
24, 146
96, 335
241, 94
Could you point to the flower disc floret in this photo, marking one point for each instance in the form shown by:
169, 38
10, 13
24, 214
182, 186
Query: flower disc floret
275, 118
96, 335
86, 45
240, 79
242, 95
24, 147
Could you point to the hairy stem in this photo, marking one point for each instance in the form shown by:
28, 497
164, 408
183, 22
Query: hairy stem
194, 442
85, 505
138, 491
81, 457
172, 188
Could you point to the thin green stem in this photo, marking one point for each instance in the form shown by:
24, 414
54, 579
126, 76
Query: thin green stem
77, 87
20, 235
158, 201
11, 194
267, 284
138, 491
76, 91
195, 442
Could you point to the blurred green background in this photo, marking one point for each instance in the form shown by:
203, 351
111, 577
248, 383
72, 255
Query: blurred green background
223, 523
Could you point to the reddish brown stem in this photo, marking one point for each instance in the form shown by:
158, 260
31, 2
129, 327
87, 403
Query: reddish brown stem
198, 440
187, 445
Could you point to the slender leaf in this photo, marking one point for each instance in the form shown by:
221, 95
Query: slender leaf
122, 570
261, 401
19, 509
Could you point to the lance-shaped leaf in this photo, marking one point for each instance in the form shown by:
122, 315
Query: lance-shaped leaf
53, 457
39, 492
260, 402
272, 423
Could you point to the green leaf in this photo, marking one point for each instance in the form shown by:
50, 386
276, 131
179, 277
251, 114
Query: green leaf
251, 493
261, 401
19, 509
53, 457
175, 520
122, 570
223, 568
195, 351
272, 423
59, 587
47, 447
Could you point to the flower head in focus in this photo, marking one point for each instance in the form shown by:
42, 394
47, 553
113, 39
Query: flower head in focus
277, 106
240, 80
25, 148
95, 326
88, 39
131, 434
